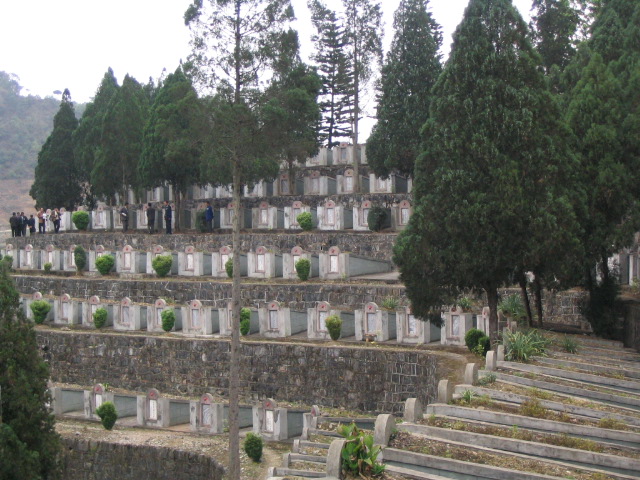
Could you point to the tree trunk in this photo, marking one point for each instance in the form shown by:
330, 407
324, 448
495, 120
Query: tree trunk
522, 281
177, 195
356, 114
492, 299
537, 291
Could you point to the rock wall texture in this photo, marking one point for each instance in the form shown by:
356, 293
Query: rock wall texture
370, 379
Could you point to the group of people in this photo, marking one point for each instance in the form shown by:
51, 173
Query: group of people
20, 223
151, 217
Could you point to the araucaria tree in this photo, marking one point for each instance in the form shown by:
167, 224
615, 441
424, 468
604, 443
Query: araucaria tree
172, 142
410, 71
234, 44
491, 149
56, 182
29, 445
336, 97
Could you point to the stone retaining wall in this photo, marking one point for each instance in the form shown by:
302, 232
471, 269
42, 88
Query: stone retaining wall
365, 378
99, 460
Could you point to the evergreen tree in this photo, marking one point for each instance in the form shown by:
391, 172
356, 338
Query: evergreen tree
234, 44
120, 144
29, 445
56, 182
86, 138
172, 144
408, 75
363, 26
491, 148
336, 98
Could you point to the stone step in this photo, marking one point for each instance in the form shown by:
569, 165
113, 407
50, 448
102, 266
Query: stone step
596, 342
590, 367
289, 458
602, 435
290, 472
565, 389
364, 422
418, 475
617, 363
299, 445
614, 352
602, 461
591, 413
626, 385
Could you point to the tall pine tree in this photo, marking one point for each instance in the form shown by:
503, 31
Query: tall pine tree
411, 68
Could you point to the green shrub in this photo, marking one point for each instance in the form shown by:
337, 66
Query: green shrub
465, 304
80, 219
80, 258
511, 306
253, 446
569, 345
390, 303
359, 454
105, 263
162, 265
201, 221
245, 320
303, 268
521, 346
334, 325
483, 346
377, 218
100, 317
168, 317
600, 308
108, 415
471, 338
229, 267
47, 267
305, 220
40, 310
8, 260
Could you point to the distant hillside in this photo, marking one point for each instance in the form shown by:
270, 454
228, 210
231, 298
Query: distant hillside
25, 123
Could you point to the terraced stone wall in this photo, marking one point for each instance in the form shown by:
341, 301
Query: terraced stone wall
365, 378
99, 460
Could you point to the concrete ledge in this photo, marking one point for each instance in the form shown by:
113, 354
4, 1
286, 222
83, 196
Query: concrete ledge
627, 372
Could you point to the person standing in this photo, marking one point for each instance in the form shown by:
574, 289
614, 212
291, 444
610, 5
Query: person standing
151, 217
41, 219
124, 217
13, 222
23, 224
208, 216
55, 218
32, 225
168, 216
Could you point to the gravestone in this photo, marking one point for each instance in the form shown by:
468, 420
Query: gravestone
67, 311
206, 416
27, 258
291, 215
316, 328
334, 264
191, 262
225, 321
51, 255
101, 218
263, 263
267, 217
456, 325
400, 215
69, 259
154, 320
279, 322
95, 254
130, 261
130, 316
289, 261
90, 308
375, 324
361, 216
332, 216
199, 320
322, 158
156, 251
317, 184
413, 330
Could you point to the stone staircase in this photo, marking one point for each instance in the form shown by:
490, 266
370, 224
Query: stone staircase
562, 416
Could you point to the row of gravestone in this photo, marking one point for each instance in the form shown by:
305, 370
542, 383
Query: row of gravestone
328, 216
155, 410
271, 320
260, 263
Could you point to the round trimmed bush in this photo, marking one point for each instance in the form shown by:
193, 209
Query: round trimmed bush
162, 265
472, 337
305, 220
303, 268
483, 346
80, 219
8, 260
47, 267
168, 317
229, 267
105, 263
253, 446
108, 415
100, 317
377, 218
245, 321
40, 310
334, 325
80, 258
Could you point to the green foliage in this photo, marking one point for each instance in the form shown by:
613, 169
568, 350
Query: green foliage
554, 27
522, 346
7, 261
100, 317
47, 267
511, 306
390, 303
412, 65
471, 338
467, 396
245, 321
168, 317
377, 218
305, 220
229, 267
487, 379
334, 326
569, 344
600, 307
465, 303
27, 432
201, 221
80, 258
40, 309
108, 415
303, 268
253, 446
359, 454
532, 407
105, 263
80, 219
162, 265
483, 346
